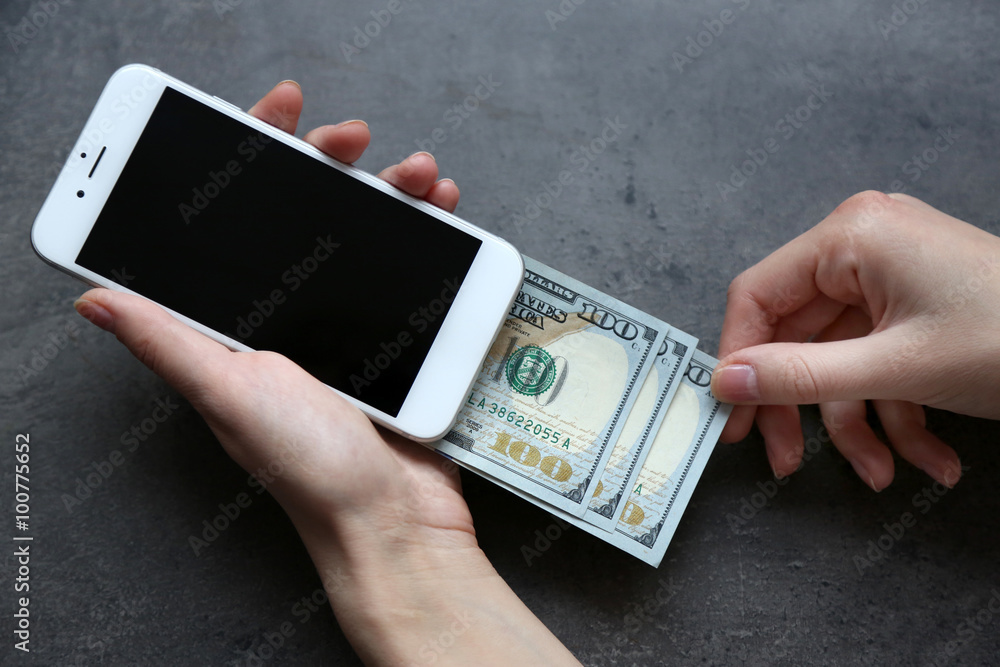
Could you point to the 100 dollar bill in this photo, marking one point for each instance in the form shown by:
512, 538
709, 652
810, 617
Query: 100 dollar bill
555, 389
641, 428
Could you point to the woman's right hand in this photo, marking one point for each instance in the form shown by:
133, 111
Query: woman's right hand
887, 299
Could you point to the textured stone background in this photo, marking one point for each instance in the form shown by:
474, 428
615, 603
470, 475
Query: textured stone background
114, 580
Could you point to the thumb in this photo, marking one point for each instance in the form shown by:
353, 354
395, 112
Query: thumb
186, 359
804, 373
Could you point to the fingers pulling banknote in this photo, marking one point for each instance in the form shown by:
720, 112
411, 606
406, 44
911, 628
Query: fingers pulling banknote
593, 410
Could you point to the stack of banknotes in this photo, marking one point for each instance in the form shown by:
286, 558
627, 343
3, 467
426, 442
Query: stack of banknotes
593, 410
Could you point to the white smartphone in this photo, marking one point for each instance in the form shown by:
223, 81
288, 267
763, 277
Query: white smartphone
262, 242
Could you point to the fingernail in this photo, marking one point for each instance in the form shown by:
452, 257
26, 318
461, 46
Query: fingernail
95, 314
294, 83
351, 122
736, 384
952, 473
946, 475
423, 153
863, 473
792, 460
770, 462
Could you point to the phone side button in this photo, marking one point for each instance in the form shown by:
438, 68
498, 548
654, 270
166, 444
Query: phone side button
228, 104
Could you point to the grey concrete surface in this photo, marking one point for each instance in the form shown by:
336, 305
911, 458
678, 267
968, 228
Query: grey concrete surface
113, 578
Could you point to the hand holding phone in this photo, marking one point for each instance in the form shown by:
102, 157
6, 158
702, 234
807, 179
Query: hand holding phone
382, 519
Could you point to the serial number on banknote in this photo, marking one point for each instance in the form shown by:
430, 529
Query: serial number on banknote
517, 420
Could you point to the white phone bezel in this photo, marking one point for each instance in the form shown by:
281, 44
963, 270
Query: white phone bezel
473, 321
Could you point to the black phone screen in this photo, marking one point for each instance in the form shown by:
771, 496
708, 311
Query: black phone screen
267, 245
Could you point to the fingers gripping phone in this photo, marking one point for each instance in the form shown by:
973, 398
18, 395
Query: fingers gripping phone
262, 242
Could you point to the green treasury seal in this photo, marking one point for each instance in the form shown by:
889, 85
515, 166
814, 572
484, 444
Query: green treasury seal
531, 370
